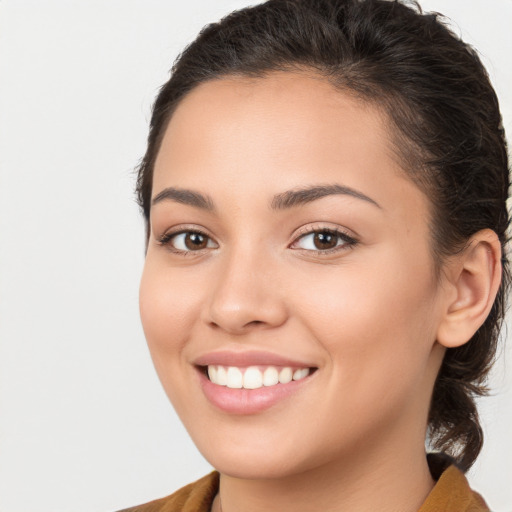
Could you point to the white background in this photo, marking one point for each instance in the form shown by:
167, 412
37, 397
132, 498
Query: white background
84, 424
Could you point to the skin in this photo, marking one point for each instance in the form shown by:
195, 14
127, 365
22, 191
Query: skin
371, 316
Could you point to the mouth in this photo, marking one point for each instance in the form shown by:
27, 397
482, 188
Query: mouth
249, 382
253, 377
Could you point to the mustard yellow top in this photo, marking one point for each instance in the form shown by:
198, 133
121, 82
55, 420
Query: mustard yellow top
450, 494
453, 494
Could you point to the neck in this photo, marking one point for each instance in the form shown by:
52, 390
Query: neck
365, 480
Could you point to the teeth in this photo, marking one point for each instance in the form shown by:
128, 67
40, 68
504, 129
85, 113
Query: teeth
212, 373
285, 375
221, 376
235, 378
270, 376
300, 374
253, 377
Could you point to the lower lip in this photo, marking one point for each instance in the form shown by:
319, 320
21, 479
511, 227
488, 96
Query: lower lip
248, 401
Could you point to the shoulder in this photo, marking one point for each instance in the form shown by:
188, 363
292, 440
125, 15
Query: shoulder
452, 492
194, 497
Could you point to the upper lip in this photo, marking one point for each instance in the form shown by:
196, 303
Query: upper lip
248, 358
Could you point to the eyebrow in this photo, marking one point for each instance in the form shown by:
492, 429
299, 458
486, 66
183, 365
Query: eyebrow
184, 196
292, 198
282, 201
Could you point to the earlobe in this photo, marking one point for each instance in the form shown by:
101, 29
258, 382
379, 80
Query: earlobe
474, 278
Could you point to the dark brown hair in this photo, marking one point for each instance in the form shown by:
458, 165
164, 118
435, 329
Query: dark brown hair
447, 132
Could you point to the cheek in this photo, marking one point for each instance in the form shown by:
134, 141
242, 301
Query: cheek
364, 301
168, 307
376, 321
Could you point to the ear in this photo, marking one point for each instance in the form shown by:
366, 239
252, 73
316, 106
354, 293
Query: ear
473, 279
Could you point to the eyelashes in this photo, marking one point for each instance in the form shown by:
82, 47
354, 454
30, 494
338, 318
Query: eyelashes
316, 240
324, 241
188, 241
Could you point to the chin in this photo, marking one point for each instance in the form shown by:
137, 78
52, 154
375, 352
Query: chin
249, 467
261, 456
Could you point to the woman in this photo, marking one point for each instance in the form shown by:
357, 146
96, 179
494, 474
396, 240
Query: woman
325, 192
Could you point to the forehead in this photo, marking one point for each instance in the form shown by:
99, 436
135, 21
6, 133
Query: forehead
299, 104
284, 130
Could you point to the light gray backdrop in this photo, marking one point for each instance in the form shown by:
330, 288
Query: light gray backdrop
84, 424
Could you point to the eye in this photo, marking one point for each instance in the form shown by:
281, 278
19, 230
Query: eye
323, 240
187, 241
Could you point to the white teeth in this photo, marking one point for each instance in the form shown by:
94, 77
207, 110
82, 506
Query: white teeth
235, 378
221, 376
285, 375
212, 373
270, 376
300, 374
253, 377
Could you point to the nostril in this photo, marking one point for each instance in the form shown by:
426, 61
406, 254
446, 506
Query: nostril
254, 322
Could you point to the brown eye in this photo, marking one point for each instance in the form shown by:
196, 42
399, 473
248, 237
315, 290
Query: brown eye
195, 241
188, 241
325, 240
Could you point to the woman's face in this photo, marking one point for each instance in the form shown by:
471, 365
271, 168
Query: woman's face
286, 241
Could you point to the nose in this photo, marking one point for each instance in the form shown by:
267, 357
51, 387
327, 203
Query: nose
245, 296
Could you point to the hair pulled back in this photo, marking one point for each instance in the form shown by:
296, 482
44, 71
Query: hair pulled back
446, 127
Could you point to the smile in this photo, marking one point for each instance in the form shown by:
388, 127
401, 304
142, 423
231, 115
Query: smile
254, 377
251, 382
